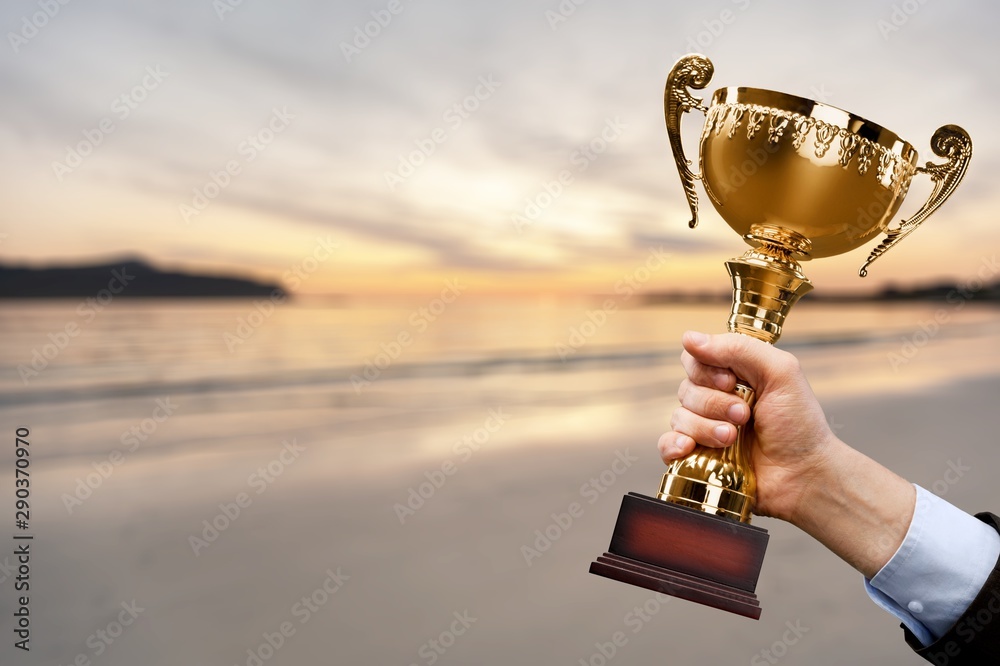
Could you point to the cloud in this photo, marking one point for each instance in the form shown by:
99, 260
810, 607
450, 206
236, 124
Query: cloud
355, 119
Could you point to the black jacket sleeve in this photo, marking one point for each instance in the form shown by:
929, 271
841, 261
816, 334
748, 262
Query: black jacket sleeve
975, 639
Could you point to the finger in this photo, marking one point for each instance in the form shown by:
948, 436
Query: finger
673, 445
707, 375
707, 432
713, 404
751, 359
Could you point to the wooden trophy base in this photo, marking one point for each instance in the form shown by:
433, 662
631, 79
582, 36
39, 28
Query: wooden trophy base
685, 553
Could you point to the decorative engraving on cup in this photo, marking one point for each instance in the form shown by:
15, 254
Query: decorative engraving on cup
802, 127
777, 127
850, 144
754, 122
710, 117
865, 157
737, 119
884, 162
824, 137
720, 118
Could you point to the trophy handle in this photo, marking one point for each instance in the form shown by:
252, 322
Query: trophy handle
950, 141
691, 71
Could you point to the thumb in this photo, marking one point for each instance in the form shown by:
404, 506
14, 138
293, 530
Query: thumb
752, 360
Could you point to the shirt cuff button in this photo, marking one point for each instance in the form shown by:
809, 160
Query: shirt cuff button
915, 607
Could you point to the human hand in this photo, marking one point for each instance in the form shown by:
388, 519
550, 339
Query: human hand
790, 442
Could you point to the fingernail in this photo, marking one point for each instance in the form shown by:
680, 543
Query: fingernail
722, 433
697, 338
681, 442
737, 412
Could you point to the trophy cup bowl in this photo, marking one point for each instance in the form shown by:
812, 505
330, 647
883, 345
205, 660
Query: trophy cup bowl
776, 162
797, 180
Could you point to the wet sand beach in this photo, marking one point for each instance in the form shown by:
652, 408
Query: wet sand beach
298, 522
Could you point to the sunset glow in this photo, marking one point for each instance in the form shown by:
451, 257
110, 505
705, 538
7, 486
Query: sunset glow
516, 151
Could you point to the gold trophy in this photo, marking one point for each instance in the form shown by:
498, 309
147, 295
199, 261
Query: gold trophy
797, 180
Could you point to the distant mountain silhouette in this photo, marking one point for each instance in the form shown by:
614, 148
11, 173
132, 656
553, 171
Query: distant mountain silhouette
944, 291
130, 278
951, 293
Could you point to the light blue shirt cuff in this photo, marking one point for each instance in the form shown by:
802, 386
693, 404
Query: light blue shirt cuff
938, 570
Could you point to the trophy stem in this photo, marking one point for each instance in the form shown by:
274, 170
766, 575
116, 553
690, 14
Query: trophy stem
767, 282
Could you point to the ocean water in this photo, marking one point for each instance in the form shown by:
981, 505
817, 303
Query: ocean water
227, 467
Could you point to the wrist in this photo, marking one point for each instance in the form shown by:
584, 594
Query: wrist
826, 471
855, 507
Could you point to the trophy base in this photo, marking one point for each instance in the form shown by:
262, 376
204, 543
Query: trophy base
685, 553
669, 582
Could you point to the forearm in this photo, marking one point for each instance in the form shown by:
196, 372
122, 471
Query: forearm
857, 508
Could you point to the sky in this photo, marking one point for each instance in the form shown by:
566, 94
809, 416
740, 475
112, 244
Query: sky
279, 139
